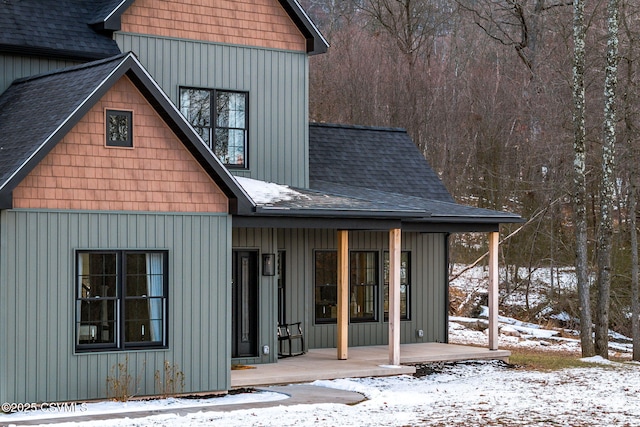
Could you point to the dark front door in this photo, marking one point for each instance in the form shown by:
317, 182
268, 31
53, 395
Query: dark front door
244, 304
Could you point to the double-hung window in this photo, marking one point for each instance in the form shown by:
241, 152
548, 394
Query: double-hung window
363, 299
220, 118
121, 300
404, 285
363, 286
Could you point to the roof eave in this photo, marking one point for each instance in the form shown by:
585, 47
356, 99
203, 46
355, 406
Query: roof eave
338, 213
316, 43
511, 219
111, 22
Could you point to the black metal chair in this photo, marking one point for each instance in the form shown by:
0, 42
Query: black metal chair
287, 334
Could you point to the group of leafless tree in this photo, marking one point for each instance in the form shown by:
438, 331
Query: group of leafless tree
529, 106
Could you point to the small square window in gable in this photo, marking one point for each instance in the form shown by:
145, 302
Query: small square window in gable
119, 128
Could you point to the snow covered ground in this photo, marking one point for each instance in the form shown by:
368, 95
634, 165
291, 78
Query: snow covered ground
462, 394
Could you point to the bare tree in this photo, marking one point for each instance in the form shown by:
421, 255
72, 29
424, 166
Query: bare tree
580, 186
413, 24
607, 186
515, 23
629, 15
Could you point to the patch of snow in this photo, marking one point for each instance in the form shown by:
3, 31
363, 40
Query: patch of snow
262, 192
464, 394
113, 407
563, 317
597, 359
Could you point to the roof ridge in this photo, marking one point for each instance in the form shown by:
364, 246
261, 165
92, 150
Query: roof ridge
359, 127
73, 68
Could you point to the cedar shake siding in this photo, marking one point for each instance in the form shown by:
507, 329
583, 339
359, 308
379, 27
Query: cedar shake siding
157, 174
259, 23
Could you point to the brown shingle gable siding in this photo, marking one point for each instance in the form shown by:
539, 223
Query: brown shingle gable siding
158, 174
261, 23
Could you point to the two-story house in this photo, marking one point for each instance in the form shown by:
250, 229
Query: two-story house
163, 198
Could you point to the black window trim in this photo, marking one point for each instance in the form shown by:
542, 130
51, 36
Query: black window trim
385, 316
214, 120
379, 308
128, 143
316, 320
120, 345
377, 287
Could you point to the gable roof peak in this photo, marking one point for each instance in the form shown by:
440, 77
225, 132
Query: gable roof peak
60, 99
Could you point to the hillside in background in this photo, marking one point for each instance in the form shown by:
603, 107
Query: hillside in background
537, 316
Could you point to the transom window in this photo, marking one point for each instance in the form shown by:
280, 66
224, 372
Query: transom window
121, 300
119, 128
404, 285
220, 118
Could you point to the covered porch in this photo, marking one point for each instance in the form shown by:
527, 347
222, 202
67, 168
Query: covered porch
321, 364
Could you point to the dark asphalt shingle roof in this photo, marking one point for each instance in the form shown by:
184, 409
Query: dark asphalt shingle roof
81, 29
383, 170
326, 203
31, 109
380, 159
55, 28
436, 209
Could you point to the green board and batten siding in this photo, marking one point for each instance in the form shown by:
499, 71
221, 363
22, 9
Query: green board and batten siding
14, 67
428, 309
37, 297
276, 81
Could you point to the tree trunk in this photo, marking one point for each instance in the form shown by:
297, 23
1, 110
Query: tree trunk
635, 303
580, 184
607, 187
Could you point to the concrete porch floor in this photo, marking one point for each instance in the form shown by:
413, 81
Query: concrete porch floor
370, 361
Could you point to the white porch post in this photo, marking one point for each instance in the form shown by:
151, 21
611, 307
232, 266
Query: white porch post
343, 294
493, 290
394, 296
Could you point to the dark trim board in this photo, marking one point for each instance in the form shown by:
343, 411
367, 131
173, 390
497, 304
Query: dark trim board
448, 227
349, 223
314, 223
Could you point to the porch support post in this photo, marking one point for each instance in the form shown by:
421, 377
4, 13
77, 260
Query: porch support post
493, 290
394, 296
343, 294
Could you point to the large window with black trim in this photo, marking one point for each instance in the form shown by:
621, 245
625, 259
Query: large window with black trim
364, 286
220, 118
405, 282
121, 300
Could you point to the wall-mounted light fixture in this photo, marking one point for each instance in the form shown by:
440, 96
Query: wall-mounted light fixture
268, 264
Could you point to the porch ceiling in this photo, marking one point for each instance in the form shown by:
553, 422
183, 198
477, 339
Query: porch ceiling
371, 361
